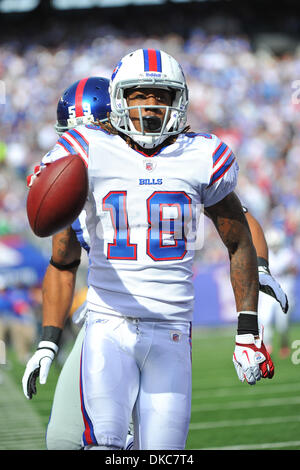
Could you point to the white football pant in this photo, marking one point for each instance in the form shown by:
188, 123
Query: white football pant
131, 365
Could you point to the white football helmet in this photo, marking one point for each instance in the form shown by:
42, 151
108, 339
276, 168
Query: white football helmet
148, 68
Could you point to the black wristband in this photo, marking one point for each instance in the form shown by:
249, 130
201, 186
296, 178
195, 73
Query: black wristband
262, 262
247, 323
65, 267
51, 333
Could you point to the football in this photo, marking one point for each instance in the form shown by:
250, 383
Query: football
57, 195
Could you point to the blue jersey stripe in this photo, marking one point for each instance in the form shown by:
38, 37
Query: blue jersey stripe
89, 429
79, 139
198, 134
76, 226
67, 145
219, 152
226, 165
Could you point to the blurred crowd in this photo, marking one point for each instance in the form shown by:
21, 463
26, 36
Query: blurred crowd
246, 96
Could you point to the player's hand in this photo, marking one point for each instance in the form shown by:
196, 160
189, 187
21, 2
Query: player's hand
37, 170
270, 286
251, 359
38, 366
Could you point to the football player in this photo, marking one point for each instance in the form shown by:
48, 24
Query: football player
85, 101
66, 424
283, 260
136, 350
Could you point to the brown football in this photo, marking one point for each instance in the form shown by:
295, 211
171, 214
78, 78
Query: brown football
57, 195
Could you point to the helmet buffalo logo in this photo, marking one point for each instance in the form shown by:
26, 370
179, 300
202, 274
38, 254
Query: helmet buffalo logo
116, 69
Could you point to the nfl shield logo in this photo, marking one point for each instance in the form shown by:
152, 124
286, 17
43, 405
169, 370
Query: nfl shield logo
149, 165
175, 336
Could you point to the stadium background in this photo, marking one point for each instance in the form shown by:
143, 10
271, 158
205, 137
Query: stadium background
242, 64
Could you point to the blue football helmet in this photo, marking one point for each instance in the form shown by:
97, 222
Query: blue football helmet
85, 101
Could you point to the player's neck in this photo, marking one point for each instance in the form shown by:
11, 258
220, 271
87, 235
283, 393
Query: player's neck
154, 150
145, 150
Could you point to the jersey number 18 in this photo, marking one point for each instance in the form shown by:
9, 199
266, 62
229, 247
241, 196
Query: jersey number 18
168, 213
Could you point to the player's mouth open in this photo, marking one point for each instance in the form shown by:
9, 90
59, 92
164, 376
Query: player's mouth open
152, 123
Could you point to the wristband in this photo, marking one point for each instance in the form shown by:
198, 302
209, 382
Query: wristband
247, 323
51, 333
65, 267
48, 345
262, 262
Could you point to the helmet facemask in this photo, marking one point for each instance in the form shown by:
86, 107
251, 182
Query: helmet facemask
74, 122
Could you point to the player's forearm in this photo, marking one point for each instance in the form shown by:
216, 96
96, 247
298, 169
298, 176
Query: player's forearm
244, 277
258, 237
58, 292
233, 229
244, 280
60, 278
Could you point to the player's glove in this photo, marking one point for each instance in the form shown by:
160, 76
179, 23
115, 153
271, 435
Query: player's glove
38, 366
251, 359
270, 286
40, 363
37, 170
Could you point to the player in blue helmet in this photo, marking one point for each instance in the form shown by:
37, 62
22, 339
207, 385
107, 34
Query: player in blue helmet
85, 101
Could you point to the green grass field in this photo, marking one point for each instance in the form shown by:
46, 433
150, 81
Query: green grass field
226, 414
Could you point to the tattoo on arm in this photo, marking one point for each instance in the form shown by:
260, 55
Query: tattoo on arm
232, 226
65, 246
62, 246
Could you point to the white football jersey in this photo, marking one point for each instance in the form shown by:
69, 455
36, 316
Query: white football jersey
141, 216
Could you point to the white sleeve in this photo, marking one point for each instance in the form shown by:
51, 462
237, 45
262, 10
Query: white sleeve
54, 154
72, 142
80, 229
224, 173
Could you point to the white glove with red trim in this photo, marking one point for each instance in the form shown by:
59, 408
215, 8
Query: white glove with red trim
251, 359
37, 170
